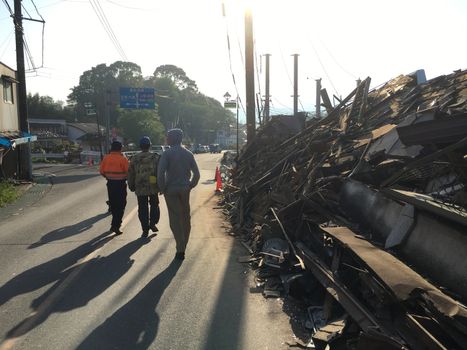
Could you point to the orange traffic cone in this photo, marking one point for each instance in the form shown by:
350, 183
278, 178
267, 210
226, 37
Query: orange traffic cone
218, 180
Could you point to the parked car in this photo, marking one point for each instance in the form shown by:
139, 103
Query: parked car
200, 149
214, 148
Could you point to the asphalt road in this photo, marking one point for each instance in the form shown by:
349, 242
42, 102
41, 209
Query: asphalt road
65, 283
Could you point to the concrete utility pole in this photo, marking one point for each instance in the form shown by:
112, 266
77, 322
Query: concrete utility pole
295, 84
249, 77
25, 168
267, 98
107, 101
318, 98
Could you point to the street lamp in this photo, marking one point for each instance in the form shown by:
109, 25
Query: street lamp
232, 104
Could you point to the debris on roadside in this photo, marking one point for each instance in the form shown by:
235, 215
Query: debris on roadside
368, 205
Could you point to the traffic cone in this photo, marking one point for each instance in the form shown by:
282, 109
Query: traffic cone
90, 162
218, 180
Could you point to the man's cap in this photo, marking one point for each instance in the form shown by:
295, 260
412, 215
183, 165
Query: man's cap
145, 141
175, 136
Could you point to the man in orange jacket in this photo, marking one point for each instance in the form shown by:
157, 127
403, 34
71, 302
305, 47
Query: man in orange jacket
114, 167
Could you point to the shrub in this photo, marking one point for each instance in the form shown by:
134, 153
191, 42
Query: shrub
8, 193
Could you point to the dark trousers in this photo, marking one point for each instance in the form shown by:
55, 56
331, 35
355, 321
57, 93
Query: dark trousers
116, 190
148, 211
178, 205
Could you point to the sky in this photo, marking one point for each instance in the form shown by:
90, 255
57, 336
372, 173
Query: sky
338, 41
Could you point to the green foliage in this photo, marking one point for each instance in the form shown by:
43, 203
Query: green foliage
137, 123
47, 107
179, 103
8, 193
101, 84
177, 76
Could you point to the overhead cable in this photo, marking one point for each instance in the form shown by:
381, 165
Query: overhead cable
230, 58
107, 27
26, 10
8, 7
43, 31
129, 7
6, 43
257, 73
37, 11
322, 66
98, 10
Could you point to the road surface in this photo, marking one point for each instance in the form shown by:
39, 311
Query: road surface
65, 283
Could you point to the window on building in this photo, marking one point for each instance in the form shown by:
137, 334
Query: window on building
7, 91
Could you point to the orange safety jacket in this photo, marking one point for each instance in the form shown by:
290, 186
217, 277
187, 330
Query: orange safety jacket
114, 166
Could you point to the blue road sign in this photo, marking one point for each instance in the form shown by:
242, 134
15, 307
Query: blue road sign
137, 98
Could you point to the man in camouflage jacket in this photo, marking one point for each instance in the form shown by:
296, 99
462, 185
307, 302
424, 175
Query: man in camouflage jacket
142, 181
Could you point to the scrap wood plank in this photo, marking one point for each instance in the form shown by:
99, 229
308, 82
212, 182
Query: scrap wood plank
326, 101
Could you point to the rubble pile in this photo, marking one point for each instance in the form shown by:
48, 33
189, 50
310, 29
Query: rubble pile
366, 208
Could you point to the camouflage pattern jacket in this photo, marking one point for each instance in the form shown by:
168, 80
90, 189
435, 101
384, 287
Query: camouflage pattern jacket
142, 173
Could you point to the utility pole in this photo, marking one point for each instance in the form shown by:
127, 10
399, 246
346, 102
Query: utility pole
295, 84
25, 167
107, 101
266, 101
238, 147
249, 77
318, 98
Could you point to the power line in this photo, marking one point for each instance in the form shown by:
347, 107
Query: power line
43, 31
280, 103
285, 66
37, 11
129, 7
230, 58
108, 28
98, 10
26, 10
322, 66
257, 72
29, 54
8, 7
7, 43
336, 62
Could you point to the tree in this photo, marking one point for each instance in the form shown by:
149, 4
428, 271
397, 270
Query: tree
137, 123
102, 83
177, 75
179, 103
47, 107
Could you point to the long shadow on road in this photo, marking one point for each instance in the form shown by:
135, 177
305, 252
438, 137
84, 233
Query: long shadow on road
66, 179
54, 270
68, 231
100, 274
226, 323
134, 326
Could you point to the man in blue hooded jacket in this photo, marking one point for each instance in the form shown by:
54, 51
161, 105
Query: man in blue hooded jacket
177, 174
